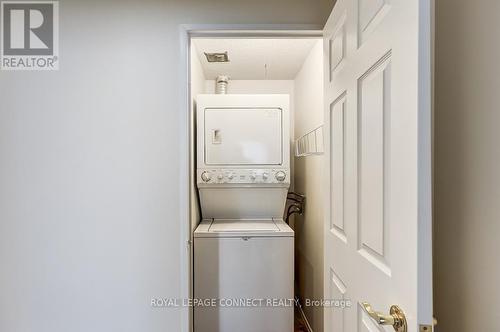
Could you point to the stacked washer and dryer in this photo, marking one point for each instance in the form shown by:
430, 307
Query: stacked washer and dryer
243, 250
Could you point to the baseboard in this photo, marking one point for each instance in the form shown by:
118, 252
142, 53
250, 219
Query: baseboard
299, 306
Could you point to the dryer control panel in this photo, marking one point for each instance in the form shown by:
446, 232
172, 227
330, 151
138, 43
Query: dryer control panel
243, 176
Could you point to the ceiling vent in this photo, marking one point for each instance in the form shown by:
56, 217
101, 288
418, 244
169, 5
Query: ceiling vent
217, 57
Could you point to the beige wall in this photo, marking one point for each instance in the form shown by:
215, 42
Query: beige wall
90, 219
467, 166
308, 181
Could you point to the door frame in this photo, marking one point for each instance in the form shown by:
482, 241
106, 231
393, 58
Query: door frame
186, 33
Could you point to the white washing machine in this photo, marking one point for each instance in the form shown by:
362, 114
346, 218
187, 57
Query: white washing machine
243, 250
248, 266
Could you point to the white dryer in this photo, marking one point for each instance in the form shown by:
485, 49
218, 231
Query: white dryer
243, 251
243, 155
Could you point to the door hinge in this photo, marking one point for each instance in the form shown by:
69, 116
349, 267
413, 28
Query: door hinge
428, 328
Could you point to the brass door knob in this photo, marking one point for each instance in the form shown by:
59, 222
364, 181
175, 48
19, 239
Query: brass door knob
396, 317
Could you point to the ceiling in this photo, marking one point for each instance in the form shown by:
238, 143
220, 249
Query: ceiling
255, 59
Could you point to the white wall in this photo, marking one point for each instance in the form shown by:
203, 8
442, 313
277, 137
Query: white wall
260, 87
254, 86
467, 164
197, 87
89, 173
308, 181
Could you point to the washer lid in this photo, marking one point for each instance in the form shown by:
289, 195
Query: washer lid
242, 228
235, 225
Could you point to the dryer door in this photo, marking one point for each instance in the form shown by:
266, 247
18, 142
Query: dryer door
243, 136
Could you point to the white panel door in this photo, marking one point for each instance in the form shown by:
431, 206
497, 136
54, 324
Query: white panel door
378, 246
243, 136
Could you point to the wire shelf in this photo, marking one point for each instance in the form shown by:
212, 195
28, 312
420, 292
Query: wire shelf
310, 144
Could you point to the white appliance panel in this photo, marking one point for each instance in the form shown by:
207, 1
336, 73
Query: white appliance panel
213, 177
243, 136
243, 202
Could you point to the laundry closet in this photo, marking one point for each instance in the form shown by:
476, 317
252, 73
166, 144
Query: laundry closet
245, 140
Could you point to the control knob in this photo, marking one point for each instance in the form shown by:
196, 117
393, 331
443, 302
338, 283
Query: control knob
265, 176
206, 176
253, 176
280, 176
220, 177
